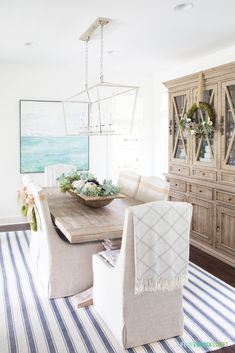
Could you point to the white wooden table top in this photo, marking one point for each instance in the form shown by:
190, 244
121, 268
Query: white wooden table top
80, 223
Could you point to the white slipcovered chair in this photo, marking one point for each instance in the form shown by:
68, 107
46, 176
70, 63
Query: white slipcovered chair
128, 181
64, 269
152, 189
133, 319
52, 172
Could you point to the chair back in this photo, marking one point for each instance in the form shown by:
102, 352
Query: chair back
162, 308
127, 252
52, 172
152, 189
41, 241
128, 181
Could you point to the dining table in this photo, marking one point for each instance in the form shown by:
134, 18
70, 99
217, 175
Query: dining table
80, 223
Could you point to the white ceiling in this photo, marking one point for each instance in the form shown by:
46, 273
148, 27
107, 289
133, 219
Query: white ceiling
144, 34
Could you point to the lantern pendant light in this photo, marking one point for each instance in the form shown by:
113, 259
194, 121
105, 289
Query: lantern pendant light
104, 108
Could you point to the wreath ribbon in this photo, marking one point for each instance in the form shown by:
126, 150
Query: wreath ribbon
200, 88
27, 203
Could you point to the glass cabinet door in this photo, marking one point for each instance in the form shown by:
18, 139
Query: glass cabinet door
228, 125
179, 142
204, 147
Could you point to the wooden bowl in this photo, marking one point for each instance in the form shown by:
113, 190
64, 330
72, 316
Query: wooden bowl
95, 201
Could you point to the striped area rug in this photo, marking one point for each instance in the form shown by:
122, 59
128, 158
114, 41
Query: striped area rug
31, 323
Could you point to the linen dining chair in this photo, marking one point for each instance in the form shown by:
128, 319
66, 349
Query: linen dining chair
152, 188
137, 319
52, 172
64, 269
128, 181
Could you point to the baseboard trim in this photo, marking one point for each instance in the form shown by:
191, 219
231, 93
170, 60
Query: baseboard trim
213, 252
14, 227
9, 224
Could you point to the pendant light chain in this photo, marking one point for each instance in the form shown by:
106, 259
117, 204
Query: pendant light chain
86, 64
101, 51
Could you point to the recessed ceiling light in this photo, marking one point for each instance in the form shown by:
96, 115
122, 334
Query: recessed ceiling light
186, 6
28, 44
112, 51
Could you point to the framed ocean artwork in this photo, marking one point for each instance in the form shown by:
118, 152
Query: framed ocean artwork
43, 139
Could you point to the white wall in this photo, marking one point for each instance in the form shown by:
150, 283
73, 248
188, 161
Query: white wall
161, 99
55, 83
52, 83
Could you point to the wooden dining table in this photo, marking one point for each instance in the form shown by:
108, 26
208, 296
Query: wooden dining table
80, 223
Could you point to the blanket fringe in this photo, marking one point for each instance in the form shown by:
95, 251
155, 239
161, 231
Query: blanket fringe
156, 284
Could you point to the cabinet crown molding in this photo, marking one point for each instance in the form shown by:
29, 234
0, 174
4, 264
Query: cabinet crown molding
210, 76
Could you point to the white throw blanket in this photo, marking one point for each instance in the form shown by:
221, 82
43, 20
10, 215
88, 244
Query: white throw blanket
161, 241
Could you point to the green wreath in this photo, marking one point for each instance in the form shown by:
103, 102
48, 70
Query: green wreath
205, 126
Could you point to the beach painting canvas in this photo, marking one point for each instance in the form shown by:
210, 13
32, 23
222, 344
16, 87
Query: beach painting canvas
43, 138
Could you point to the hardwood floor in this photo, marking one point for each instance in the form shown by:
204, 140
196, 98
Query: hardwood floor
217, 268
230, 349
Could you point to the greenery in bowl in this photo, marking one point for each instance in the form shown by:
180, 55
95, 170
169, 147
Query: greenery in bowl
85, 183
67, 181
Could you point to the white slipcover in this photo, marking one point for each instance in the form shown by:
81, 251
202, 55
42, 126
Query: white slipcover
152, 188
128, 181
52, 172
133, 319
64, 269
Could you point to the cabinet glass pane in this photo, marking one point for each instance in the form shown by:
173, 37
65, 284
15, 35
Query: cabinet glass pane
205, 145
207, 97
206, 149
231, 159
179, 108
230, 124
180, 152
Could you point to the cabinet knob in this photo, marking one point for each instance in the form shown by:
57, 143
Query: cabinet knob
200, 190
203, 174
221, 125
230, 199
218, 228
179, 170
170, 127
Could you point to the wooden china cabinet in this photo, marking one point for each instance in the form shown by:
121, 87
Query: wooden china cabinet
202, 169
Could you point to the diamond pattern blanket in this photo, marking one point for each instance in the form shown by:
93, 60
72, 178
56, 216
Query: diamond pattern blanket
161, 242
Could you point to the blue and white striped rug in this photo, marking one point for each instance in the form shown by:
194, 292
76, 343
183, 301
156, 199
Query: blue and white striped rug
31, 323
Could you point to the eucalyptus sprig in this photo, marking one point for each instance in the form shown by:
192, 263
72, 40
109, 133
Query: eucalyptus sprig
109, 189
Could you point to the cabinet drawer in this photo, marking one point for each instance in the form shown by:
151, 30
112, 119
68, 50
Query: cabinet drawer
201, 191
176, 196
205, 174
177, 184
228, 178
225, 197
176, 169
